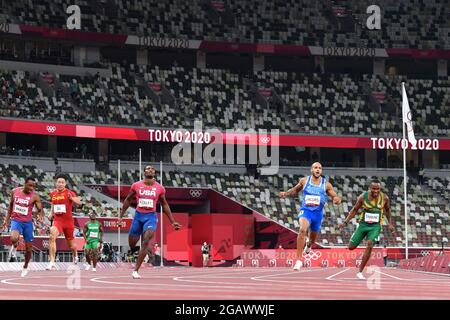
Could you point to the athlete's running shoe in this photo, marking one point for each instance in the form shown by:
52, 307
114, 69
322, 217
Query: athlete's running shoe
298, 265
24, 273
360, 276
307, 247
12, 255
51, 266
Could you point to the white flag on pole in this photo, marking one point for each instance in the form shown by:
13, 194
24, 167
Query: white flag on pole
407, 118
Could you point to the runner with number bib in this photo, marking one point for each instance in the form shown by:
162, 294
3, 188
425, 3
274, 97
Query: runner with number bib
316, 191
21, 215
374, 205
61, 213
148, 193
93, 236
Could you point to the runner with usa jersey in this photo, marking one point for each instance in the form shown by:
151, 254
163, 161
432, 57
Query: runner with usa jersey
316, 191
148, 193
20, 214
62, 200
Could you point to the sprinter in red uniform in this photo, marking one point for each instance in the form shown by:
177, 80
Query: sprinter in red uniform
61, 213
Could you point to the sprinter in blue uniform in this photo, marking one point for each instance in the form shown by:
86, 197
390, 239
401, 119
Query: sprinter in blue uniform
316, 191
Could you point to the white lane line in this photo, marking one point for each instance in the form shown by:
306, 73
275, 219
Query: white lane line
259, 278
333, 275
426, 272
394, 277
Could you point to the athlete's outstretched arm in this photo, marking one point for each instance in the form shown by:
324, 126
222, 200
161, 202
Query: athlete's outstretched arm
352, 212
331, 193
388, 214
293, 191
101, 233
8, 215
168, 213
75, 199
126, 203
38, 204
50, 215
85, 230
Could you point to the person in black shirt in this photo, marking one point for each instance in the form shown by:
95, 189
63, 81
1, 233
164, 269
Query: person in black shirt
205, 253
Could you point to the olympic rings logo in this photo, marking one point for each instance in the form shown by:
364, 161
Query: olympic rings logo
264, 140
51, 129
425, 253
314, 255
195, 193
97, 188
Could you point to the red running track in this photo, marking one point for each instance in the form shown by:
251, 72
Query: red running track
226, 283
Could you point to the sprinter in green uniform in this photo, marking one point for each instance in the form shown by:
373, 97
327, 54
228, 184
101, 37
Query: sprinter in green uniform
374, 205
93, 235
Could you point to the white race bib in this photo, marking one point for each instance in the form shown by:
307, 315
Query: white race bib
372, 217
59, 208
21, 210
145, 203
312, 200
93, 234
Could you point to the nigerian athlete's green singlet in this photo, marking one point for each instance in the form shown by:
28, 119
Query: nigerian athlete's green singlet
92, 234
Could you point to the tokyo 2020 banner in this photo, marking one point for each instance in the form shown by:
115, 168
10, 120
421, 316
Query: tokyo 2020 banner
205, 137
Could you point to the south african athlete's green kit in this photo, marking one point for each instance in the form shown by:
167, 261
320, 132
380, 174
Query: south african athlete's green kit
370, 219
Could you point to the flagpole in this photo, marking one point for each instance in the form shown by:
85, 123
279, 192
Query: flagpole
404, 174
140, 164
118, 207
161, 247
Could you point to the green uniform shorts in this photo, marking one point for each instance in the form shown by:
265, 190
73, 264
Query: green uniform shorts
365, 230
91, 244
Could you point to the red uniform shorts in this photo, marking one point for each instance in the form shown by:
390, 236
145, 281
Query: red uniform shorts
65, 226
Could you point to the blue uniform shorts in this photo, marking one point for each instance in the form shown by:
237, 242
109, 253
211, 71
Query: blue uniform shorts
314, 218
24, 228
143, 222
